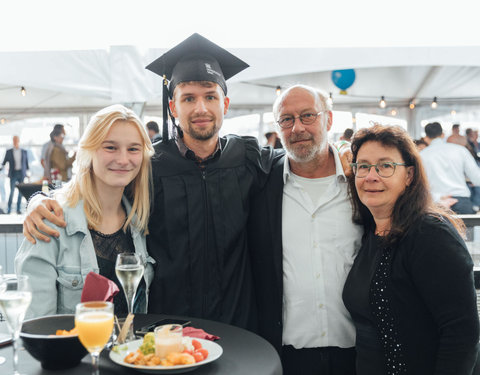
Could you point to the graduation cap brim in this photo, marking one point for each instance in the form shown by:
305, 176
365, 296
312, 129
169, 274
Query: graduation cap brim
182, 63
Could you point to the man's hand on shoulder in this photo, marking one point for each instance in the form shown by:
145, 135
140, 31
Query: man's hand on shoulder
40, 208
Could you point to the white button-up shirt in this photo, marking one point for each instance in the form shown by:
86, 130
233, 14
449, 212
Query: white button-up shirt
319, 246
447, 165
17, 157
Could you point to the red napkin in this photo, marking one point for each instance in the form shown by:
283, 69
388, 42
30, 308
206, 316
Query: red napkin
98, 288
199, 334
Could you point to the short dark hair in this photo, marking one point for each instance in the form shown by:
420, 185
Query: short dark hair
347, 134
455, 126
420, 141
152, 125
56, 132
59, 126
433, 130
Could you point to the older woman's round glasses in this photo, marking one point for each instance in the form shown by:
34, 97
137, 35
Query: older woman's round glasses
288, 121
386, 169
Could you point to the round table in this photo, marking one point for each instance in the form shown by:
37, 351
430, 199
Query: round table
243, 353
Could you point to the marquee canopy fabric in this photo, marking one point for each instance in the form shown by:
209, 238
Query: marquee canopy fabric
91, 78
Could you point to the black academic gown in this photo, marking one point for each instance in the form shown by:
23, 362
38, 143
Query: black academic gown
265, 245
198, 234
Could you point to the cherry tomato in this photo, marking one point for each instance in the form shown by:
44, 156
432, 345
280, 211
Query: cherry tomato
198, 356
196, 344
203, 351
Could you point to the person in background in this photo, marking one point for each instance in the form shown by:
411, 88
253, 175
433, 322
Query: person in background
3, 194
410, 291
472, 143
273, 140
347, 135
447, 165
47, 149
456, 138
17, 160
303, 242
420, 144
58, 158
153, 131
106, 208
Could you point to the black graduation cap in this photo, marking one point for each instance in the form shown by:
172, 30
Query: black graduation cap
194, 59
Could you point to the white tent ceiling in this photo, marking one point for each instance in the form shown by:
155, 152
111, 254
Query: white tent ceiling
78, 57
73, 80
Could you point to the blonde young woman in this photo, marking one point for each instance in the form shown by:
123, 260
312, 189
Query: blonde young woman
106, 207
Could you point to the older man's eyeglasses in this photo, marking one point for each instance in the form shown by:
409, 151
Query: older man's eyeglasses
288, 121
386, 169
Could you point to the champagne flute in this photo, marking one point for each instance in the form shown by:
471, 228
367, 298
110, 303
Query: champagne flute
15, 297
94, 322
129, 270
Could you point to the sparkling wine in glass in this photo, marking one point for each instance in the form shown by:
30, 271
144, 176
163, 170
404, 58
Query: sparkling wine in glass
15, 297
129, 269
94, 323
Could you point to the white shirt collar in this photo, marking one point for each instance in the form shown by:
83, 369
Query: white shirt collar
338, 166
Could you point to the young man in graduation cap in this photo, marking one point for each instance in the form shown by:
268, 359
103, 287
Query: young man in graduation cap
202, 186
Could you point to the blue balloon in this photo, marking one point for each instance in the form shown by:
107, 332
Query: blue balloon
343, 79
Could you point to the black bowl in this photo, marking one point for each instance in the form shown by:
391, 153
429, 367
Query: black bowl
54, 352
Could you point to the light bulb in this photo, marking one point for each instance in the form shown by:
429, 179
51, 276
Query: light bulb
278, 90
23, 91
434, 103
412, 104
330, 99
394, 112
453, 112
382, 103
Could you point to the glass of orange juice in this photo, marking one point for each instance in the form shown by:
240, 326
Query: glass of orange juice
94, 322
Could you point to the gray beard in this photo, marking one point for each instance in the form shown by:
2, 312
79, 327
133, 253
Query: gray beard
305, 155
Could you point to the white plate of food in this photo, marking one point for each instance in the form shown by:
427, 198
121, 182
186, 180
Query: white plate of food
118, 356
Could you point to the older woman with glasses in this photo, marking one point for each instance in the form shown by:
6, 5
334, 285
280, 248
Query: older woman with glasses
410, 291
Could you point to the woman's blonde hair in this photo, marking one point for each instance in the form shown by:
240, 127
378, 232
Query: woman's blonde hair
82, 186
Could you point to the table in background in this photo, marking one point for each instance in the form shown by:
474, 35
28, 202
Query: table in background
243, 353
28, 189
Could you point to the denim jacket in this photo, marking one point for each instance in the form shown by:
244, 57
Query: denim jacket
57, 269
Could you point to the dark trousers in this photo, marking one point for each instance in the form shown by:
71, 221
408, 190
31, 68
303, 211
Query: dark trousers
463, 206
474, 194
318, 361
16, 178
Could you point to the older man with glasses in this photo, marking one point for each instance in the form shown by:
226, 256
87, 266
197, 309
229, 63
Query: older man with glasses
304, 242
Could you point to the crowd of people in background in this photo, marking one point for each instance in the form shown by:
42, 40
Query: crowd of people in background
465, 198
56, 165
452, 166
